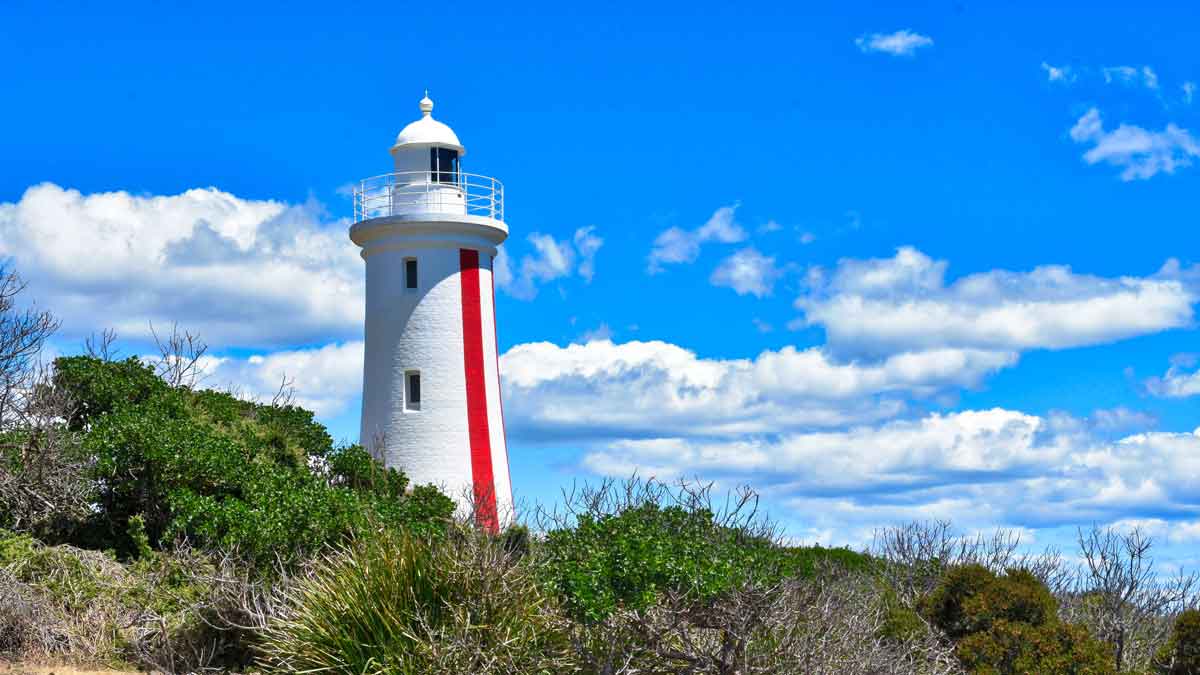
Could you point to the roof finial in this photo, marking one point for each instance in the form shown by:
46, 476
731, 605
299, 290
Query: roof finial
426, 105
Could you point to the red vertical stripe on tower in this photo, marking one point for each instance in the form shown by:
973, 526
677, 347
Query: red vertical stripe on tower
477, 413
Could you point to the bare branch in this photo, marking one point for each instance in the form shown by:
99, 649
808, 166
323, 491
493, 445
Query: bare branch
286, 394
101, 346
181, 353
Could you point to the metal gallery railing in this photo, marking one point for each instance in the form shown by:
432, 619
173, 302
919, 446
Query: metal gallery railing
411, 192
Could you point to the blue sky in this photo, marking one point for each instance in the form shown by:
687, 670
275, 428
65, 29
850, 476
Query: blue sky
882, 262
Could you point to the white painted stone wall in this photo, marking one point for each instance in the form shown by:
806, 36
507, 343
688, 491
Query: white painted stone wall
422, 330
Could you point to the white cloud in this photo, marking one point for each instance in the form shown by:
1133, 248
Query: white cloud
237, 271
635, 389
1144, 76
747, 272
1122, 418
900, 43
676, 245
1062, 74
501, 268
903, 303
906, 452
1184, 532
976, 467
551, 260
1181, 380
587, 244
1139, 153
325, 379
762, 326
601, 332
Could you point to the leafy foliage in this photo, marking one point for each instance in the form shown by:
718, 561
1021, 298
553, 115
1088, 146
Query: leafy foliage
1008, 624
971, 598
1181, 655
1051, 649
625, 559
266, 481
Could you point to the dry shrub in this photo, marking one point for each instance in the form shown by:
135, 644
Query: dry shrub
171, 612
25, 620
917, 554
833, 623
204, 613
1122, 598
81, 592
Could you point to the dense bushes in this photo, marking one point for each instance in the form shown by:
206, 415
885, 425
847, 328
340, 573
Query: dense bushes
155, 612
397, 603
1181, 654
668, 543
971, 599
1008, 624
263, 480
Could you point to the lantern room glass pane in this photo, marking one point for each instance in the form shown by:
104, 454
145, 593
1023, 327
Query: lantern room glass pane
443, 165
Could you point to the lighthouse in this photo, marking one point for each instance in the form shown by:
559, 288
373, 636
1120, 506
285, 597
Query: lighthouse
431, 378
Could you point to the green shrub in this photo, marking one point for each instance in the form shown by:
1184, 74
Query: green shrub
97, 387
264, 481
808, 561
625, 559
1016, 648
395, 603
1181, 654
900, 623
970, 598
1008, 625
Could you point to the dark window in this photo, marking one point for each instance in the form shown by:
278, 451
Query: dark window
414, 390
410, 273
443, 165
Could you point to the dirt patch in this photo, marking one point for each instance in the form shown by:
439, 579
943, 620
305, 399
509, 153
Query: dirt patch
29, 669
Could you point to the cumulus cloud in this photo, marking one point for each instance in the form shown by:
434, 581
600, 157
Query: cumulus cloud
900, 43
1181, 380
747, 272
975, 467
1139, 153
325, 379
903, 303
900, 453
636, 389
551, 260
237, 271
676, 245
1062, 74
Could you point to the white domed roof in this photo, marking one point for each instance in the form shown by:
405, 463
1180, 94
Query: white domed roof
428, 131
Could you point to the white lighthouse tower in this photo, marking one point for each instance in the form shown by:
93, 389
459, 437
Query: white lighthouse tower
431, 379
